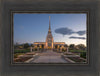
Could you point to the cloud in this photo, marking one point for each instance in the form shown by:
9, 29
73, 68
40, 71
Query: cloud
81, 32
67, 31
64, 31
73, 37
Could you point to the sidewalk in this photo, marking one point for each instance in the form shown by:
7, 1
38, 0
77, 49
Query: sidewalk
49, 57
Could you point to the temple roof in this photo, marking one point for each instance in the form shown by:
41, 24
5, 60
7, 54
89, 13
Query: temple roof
39, 43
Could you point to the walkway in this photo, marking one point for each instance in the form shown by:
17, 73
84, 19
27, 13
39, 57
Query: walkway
49, 57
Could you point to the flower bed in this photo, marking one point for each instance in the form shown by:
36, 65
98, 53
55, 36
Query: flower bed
30, 53
22, 59
77, 59
18, 54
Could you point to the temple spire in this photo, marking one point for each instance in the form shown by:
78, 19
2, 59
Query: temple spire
49, 24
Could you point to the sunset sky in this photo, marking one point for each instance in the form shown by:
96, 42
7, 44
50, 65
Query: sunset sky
68, 28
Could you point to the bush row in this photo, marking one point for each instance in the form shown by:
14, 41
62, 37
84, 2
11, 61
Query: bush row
21, 51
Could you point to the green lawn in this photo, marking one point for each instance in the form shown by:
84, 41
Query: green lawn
82, 53
21, 51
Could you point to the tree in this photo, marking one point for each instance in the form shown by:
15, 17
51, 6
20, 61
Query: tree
65, 45
15, 46
56, 46
26, 45
81, 47
42, 46
32, 45
71, 46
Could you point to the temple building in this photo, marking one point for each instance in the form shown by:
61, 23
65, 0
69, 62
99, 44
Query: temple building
49, 43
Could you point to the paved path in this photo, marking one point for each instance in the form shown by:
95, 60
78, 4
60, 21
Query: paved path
49, 57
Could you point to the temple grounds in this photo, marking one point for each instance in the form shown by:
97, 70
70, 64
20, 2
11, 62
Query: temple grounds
49, 56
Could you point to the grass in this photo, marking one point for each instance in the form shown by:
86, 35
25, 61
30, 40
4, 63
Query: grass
77, 51
82, 53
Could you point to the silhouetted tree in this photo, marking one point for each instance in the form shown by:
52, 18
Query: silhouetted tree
42, 46
71, 46
81, 47
32, 45
26, 45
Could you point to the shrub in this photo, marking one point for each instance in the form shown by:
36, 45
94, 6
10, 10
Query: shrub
16, 55
76, 51
35, 49
83, 55
63, 50
23, 59
26, 45
21, 51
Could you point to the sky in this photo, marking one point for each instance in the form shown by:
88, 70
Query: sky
30, 28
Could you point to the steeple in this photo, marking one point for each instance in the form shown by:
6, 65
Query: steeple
49, 39
49, 24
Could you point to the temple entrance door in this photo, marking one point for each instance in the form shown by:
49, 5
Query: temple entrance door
49, 46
